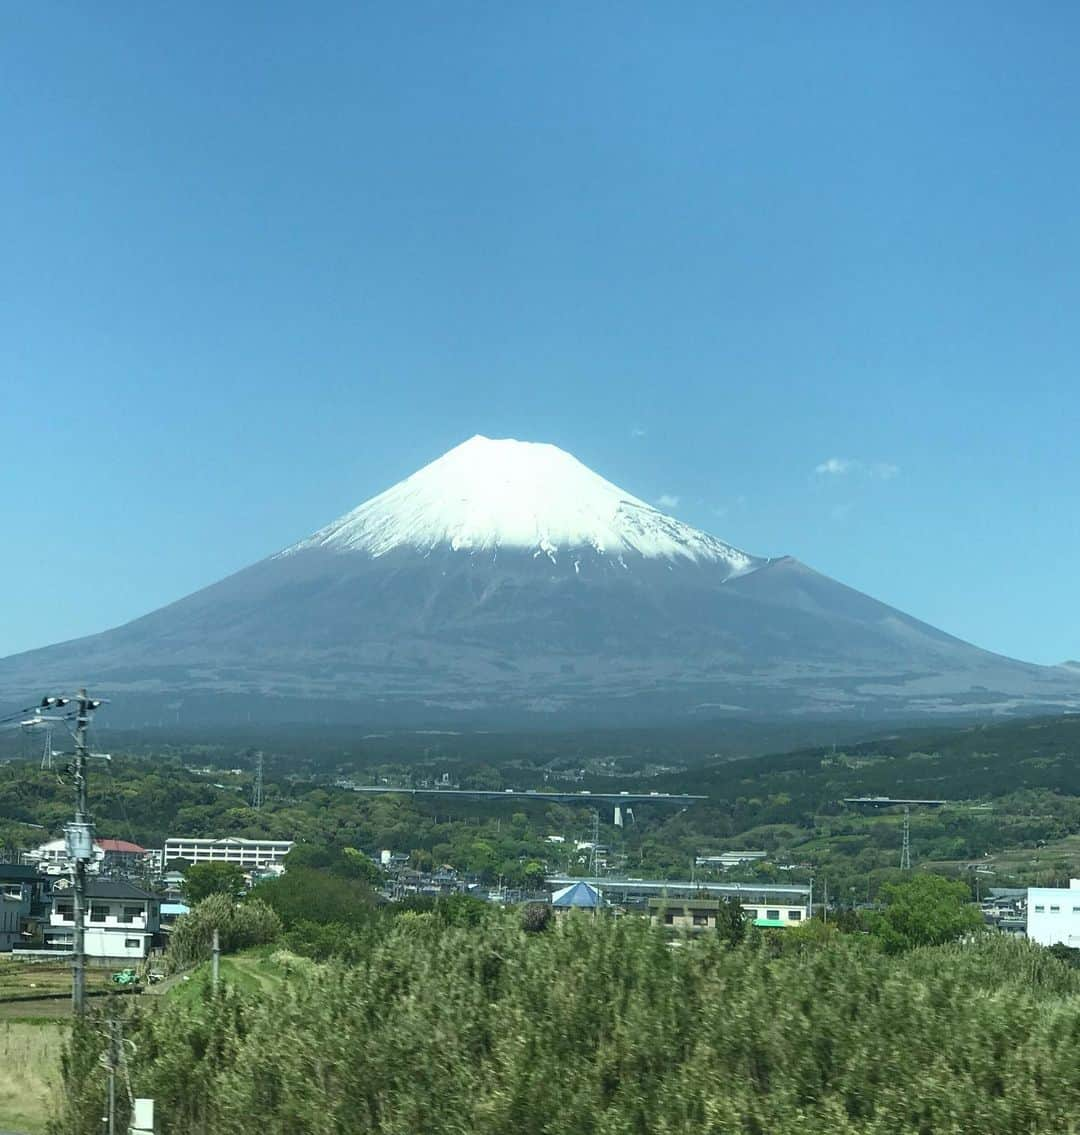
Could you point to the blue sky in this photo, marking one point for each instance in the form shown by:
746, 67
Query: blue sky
811, 273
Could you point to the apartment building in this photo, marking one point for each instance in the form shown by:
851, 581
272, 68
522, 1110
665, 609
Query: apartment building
244, 853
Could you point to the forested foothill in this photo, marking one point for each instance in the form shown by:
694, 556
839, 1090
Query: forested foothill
1012, 817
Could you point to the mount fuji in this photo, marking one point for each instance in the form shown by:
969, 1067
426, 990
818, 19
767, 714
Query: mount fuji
506, 582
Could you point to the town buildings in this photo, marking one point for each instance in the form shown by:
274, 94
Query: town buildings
113, 857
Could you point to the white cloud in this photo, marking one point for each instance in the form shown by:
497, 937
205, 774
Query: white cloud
666, 500
842, 466
836, 466
730, 506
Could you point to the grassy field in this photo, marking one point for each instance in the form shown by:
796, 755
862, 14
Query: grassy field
254, 970
32, 1033
29, 1072
21, 979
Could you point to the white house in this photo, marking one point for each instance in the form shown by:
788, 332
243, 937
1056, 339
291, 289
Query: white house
1053, 914
52, 858
121, 921
245, 853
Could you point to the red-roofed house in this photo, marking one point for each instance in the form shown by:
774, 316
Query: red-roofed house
121, 857
111, 857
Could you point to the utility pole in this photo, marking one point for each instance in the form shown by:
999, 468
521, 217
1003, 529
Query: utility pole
595, 841
215, 961
79, 839
111, 1060
905, 849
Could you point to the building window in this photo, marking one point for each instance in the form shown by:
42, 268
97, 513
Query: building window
794, 916
130, 913
669, 918
99, 912
132, 943
772, 915
750, 912
65, 912
701, 920
1039, 909
1055, 909
13, 891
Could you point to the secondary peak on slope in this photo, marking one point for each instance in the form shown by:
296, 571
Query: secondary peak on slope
490, 494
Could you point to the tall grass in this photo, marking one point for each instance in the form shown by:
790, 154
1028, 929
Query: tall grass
598, 1027
30, 1079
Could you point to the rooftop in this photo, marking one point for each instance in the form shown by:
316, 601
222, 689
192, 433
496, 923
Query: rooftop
576, 894
120, 845
16, 872
115, 889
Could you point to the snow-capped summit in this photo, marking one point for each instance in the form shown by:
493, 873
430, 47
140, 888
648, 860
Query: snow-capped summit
506, 585
487, 495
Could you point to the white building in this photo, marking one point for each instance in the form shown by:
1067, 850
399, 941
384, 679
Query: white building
121, 922
245, 853
1053, 914
728, 859
52, 858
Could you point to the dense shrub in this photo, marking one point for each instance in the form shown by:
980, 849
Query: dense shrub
601, 1027
307, 894
239, 926
536, 917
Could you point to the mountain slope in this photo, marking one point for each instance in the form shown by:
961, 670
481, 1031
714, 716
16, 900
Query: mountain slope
506, 580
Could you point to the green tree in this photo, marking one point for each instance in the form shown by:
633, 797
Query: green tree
357, 865
205, 879
926, 910
306, 895
731, 921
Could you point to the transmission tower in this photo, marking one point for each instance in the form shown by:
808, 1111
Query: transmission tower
905, 849
45, 724
257, 791
47, 753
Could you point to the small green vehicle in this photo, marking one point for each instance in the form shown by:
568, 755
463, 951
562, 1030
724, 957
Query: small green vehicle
125, 977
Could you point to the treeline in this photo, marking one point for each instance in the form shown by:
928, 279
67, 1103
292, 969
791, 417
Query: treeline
600, 1026
147, 801
788, 804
